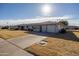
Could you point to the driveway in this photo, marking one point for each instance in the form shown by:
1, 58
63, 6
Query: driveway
26, 41
8, 49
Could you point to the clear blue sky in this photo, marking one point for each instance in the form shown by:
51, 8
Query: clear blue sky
31, 10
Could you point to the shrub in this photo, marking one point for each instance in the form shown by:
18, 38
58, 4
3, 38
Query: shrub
62, 31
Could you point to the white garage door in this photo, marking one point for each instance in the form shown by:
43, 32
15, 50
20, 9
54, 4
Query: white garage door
43, 28
51, 28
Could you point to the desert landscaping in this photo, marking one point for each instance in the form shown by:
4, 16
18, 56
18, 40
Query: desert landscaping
33, 43
7, 34
57, 45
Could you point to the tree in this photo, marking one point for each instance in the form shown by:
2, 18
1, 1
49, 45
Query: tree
65, 23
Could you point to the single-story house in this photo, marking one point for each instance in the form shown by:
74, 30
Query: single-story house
46, 26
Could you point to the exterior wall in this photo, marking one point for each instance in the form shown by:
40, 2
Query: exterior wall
12, 27
29, 27
25, 27
36, 28
54, 28
44, 28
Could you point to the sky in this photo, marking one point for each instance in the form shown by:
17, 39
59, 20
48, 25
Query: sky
21, 12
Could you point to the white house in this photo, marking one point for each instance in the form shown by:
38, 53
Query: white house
43, 25
46, 26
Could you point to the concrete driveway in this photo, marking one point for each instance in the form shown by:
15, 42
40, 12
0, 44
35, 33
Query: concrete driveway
15, 46
8, 49
26, 41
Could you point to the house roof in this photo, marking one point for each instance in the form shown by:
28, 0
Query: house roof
44, 23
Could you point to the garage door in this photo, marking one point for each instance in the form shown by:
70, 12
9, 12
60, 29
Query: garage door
51, 28
44, 28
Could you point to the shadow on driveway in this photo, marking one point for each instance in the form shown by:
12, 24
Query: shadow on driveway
69, 35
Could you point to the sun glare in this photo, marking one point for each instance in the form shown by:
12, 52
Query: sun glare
46, 9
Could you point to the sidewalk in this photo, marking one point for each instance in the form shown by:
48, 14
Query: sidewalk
8, 49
